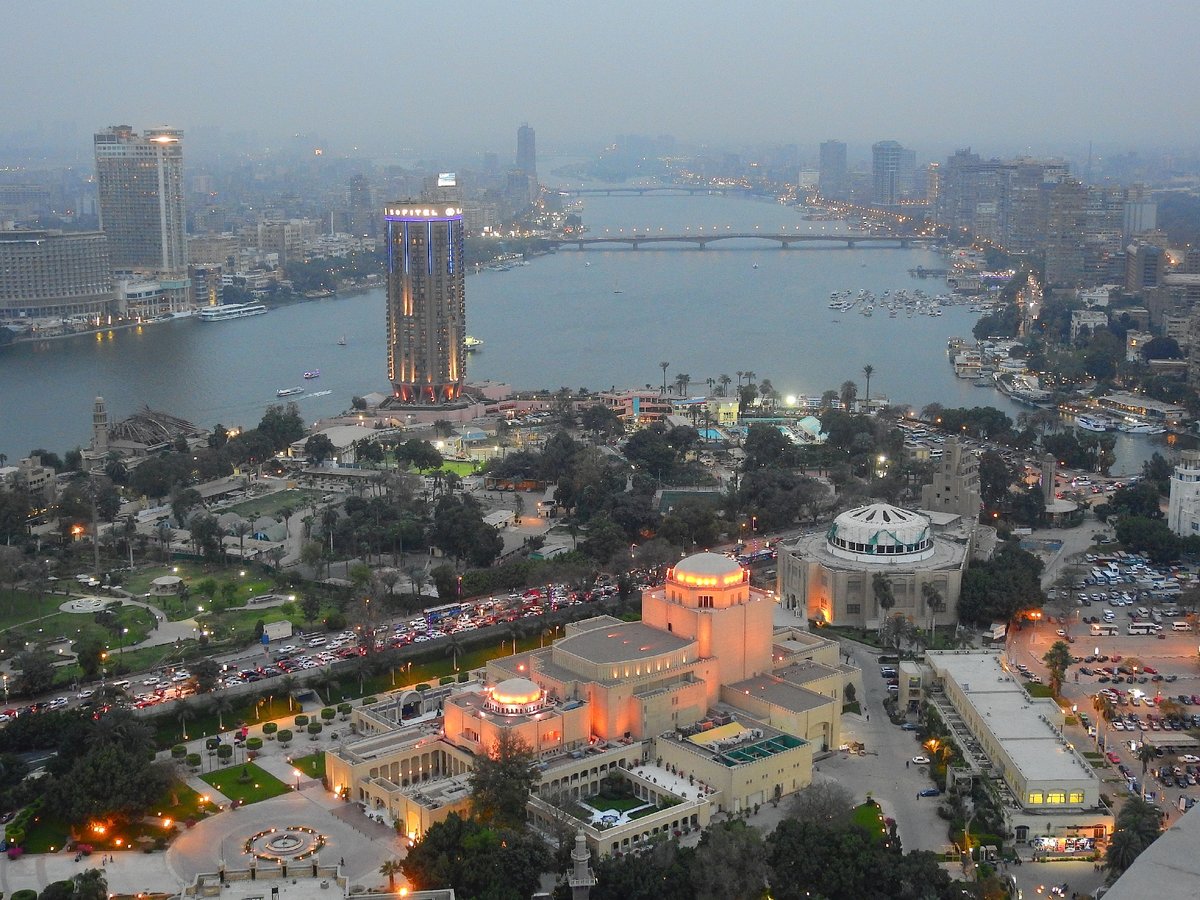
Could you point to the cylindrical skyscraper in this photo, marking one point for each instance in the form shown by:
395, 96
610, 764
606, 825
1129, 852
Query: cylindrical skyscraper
426, 309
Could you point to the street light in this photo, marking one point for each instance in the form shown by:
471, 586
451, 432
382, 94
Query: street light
296, 772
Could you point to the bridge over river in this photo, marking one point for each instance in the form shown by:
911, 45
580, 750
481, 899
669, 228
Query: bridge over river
701, 241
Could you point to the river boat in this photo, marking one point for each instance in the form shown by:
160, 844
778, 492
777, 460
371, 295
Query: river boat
230, 311
289, 392
472, 343
342, 341
315, 373
1136, 427
1091, 423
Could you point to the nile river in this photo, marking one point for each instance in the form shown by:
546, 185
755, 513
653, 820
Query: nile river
590, 319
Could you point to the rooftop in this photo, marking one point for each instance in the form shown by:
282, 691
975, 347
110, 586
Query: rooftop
1021, 725
778, 692
625, 642
1169, 869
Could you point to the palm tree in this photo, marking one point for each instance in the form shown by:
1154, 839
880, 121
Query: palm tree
884, 598
184, 713
1123, 849
849, 392
750, 376
740, 373
453, 649
934, 603
724, 381
710, 381
324, 680
682, 380
868, 371
663, 366
287, 685
389, 869
241, 529
221, 705
1057, 659
1146, 754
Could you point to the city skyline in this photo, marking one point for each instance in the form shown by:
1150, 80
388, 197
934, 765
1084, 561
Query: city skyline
1024, 82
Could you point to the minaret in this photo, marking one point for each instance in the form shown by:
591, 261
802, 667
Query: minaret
581, 878
99, 427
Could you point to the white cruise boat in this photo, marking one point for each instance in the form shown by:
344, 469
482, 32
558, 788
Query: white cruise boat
230, 311
1092, 423
1141, 428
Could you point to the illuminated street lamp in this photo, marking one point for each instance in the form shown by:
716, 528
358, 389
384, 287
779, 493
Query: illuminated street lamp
296, 772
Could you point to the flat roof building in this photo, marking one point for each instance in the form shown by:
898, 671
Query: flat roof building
54, 274
1050, 791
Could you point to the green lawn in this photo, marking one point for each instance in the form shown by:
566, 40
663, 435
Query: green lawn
869, 817
261, 786
205, 721
46, 835
18, 607
1036, 690
460, 468
312, 765
252, 584
271, 504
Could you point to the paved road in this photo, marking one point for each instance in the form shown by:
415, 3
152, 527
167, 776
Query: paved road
882, 773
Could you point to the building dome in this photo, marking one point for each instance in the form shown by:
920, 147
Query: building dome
880, 532
707, 570
516, 690
516, 696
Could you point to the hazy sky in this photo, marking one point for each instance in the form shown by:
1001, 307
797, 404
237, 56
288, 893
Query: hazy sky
449, 76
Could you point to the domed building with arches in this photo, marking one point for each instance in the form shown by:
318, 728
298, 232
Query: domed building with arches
702, 706
830, 578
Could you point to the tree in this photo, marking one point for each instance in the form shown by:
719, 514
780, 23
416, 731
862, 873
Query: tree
730, 863
995, 476
822, 803
502, 781
37, 671
319, 448
848, 394
885, 599
1057, 660
1146, 754
390, 867
477, 860
868, 371
205, 672
934, 602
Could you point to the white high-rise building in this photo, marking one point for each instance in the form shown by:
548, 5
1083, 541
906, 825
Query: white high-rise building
1183, 509
140, 185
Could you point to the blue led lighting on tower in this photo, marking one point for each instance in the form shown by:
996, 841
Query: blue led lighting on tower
426, 308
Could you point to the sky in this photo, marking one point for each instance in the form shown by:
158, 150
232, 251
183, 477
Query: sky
387, 77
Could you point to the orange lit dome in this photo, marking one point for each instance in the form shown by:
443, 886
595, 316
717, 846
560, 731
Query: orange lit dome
707, 570
516, 696
516, 691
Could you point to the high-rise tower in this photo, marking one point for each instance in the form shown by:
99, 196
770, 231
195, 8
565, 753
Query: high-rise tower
527, 151
888, 175
426, 308
831, 175
140, 184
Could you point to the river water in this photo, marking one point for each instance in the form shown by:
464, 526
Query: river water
592, 319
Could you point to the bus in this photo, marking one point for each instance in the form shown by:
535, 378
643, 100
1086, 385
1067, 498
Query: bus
1143, 628
1101, 630
435, 614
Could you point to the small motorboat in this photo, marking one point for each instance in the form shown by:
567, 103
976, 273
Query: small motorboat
315, 373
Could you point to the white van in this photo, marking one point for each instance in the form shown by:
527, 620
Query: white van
1180, 626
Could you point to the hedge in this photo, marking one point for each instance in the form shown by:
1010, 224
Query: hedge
178, 751
328, 713
269, 729
254, 743
285, 736
301, 721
